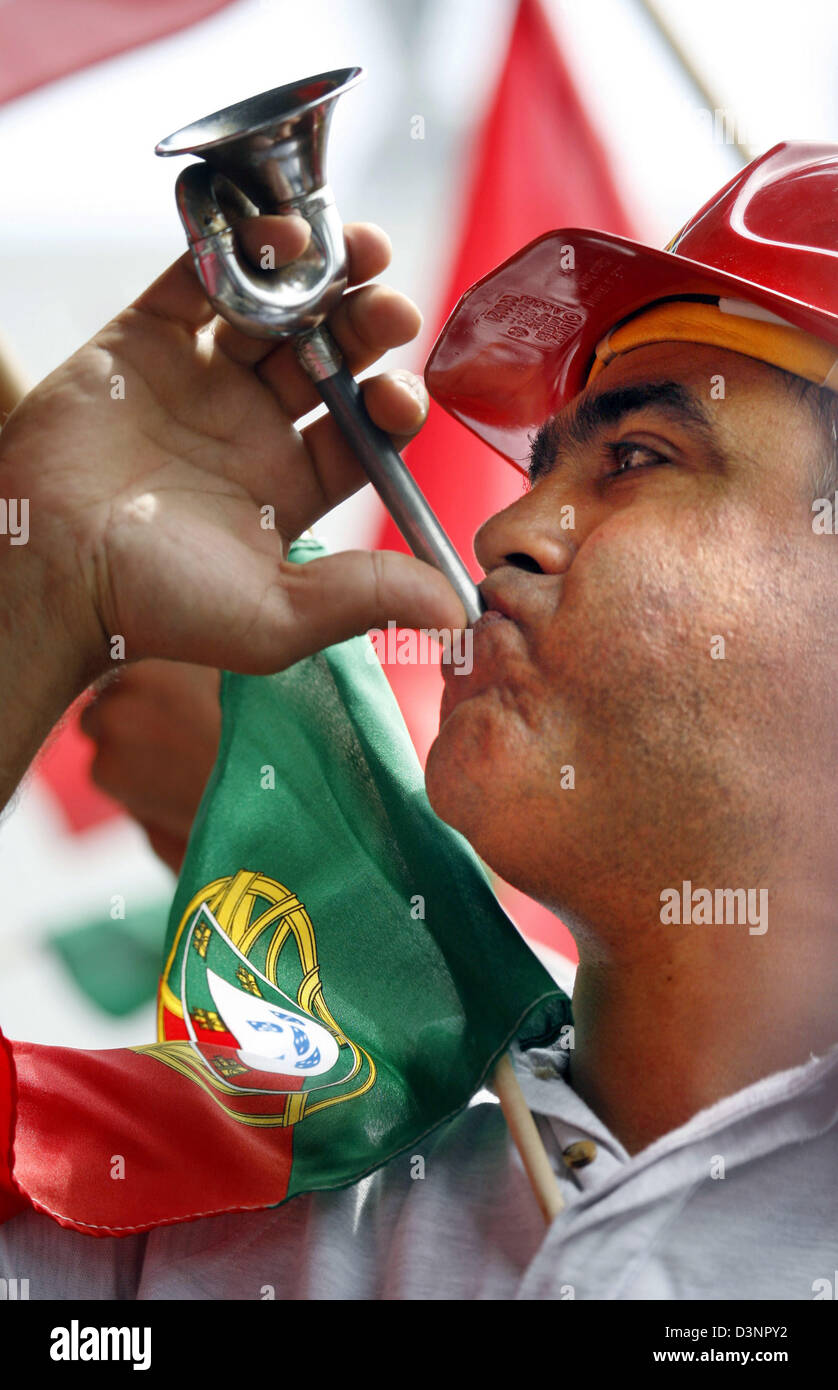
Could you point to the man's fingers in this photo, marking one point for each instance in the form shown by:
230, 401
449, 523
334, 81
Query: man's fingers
257, 613
366, 324
397, 402
170, 848
314, 605
125, 701
270, 242
368, 252
267, 243
177, 295
155, 765
368, 248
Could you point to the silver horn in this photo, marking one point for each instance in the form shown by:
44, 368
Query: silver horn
268, 155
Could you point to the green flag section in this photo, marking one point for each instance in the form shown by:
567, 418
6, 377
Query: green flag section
338, 980
337, 965
115, 963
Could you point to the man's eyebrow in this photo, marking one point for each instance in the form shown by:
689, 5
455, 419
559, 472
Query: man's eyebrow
592, 414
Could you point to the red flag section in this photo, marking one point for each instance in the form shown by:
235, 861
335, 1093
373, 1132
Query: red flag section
538, 165
110, 1143
42, 40
11, 1198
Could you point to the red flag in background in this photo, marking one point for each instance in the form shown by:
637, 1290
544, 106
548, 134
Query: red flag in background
42, 40
538, 165
64, 764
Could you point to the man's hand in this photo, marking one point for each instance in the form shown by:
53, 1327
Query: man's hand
156, 730
149, 458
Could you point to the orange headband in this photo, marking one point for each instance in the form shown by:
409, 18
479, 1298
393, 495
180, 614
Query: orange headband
733, 324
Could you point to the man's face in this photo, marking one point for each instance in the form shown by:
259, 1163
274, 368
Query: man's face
607, 743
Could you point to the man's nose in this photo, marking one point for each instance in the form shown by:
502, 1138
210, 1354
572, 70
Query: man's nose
522, 535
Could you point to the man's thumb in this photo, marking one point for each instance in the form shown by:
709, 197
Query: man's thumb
339, 596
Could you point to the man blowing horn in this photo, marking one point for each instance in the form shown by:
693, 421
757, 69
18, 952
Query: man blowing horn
661, 619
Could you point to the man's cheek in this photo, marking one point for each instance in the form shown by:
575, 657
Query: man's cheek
631, 613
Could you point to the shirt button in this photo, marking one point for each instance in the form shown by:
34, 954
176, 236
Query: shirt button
580, 1154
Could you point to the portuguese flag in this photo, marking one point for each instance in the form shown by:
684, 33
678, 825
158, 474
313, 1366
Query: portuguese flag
339, 979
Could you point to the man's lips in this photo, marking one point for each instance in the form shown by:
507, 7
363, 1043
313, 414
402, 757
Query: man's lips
492, 615
491, 636
491, 618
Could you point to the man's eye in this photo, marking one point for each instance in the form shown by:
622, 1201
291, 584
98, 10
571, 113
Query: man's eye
628, 457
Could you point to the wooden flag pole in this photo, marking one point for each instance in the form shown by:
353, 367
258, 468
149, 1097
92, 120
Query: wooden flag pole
692, 71
523, 1129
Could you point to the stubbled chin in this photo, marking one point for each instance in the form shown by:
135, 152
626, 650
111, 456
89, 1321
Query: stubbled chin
444, 706
447, 767
435, 776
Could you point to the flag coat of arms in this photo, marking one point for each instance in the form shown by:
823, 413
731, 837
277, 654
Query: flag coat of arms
338, 979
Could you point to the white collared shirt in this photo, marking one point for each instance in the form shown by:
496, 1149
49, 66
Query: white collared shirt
739, 1203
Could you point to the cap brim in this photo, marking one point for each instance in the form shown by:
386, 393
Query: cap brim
520, 343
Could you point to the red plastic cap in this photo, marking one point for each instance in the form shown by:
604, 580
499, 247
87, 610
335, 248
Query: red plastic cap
520, 343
